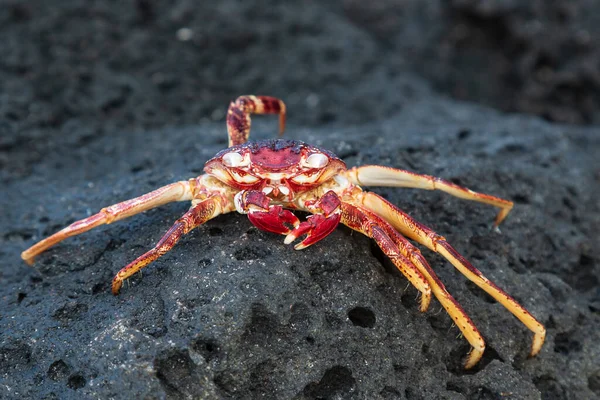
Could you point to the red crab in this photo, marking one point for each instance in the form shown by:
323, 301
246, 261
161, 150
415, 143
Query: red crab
266, 179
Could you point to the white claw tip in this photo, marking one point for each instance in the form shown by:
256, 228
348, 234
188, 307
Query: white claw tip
300, 246
289, 239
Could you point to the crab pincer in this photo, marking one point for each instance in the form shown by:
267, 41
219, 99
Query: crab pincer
325, 218
265, 216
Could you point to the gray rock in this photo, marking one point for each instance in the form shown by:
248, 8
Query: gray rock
232, 312
103, 102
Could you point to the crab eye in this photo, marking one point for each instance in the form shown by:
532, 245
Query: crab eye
317, 160
232, 159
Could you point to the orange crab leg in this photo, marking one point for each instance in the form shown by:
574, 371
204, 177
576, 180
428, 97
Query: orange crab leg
238, 115
377, 175
178, 191
197, 215
425, 236
372, 225
375, 228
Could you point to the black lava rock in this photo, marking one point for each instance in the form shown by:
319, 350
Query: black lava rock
101, 102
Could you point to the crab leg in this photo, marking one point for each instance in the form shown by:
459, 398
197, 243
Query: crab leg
377, 175
197, 215
408, 250
177, 191
374, 227
238, 115
425, 236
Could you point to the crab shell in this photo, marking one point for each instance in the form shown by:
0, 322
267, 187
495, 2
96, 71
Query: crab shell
276, 167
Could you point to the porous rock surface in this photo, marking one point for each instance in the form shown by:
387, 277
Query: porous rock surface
103, 103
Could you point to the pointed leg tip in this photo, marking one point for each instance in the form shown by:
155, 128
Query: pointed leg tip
425, 301
496, 226
469, 364
29, 261
538, 342
116, 287
501, 216
473, 358
289, 239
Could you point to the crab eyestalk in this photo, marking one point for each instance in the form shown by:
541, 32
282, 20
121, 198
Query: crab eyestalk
281, 165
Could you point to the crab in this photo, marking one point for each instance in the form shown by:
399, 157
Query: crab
268, 178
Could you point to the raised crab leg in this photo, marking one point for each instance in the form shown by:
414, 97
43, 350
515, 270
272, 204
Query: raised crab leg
425, 236
197, 215
396, 246
377, 175
177, 191
238, 115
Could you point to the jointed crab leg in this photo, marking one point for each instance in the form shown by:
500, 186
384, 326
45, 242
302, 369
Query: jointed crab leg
377, 175
178, 191
375, 228
425, 236
197, 215
238, 115
394, 244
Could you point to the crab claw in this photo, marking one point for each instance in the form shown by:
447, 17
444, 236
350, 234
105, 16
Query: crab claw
270, 218
316, 227
324, 220
276, 219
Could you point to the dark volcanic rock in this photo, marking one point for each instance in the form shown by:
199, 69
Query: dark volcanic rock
537, 57
101, 103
